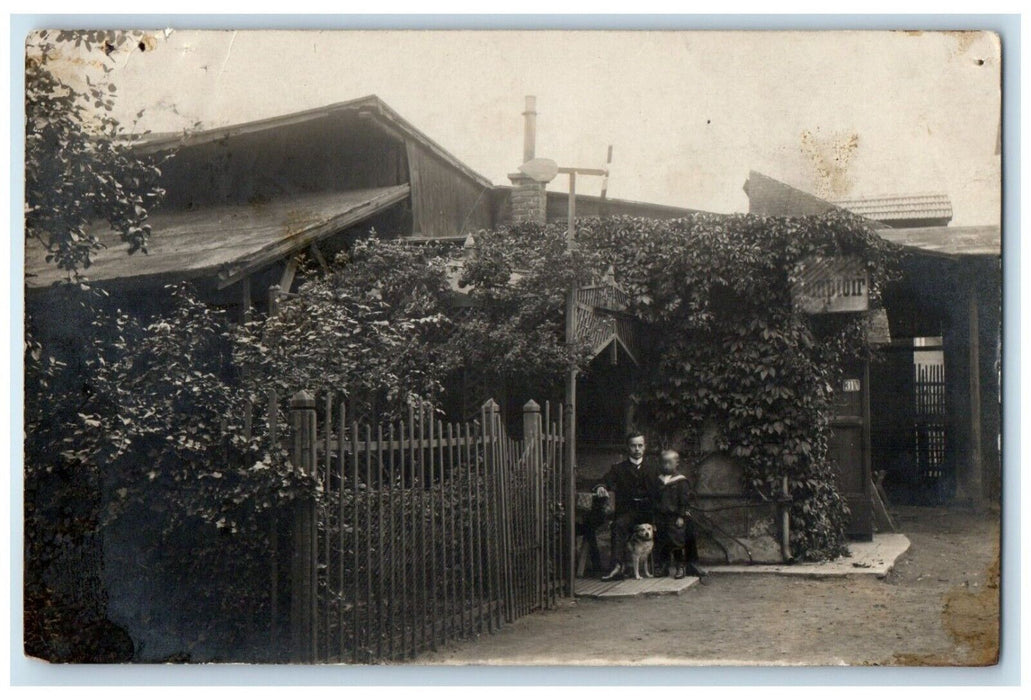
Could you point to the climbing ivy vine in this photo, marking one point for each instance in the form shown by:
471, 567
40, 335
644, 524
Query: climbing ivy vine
726, 348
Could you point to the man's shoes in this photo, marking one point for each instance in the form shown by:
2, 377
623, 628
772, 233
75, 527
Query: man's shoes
679, 572
695, 570
614, 575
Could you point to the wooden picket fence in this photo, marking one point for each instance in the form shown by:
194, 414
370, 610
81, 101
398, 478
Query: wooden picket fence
425, 531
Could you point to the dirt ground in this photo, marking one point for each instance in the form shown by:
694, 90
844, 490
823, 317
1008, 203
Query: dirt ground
940, 606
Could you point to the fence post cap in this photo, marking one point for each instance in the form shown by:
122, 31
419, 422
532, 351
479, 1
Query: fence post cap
302, 399
491, 405
531, 406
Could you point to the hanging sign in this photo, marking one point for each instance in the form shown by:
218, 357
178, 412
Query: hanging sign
831, 285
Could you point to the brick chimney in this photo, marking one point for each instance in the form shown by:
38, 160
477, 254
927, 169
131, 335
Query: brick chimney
529, 199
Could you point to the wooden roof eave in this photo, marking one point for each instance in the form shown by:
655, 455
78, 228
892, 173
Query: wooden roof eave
156, 280
913, 249
286, 247
369, 105
614, 338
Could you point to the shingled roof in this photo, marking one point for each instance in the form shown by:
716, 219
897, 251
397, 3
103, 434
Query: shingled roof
935, 208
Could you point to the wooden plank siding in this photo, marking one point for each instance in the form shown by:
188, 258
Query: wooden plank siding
445, 202
329, 154
590, 205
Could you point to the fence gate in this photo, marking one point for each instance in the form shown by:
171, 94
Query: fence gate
424, 531
929, 425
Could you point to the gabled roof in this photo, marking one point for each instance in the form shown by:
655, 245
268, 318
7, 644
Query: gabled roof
770, 197
900, 207
227, 241
369, 106
601, 320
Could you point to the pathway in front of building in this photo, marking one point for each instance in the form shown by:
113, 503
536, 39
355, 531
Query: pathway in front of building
937, 606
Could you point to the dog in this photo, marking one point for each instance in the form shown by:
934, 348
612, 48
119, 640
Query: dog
639, 549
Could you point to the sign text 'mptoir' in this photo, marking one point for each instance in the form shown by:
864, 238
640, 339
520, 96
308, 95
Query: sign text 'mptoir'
832, 285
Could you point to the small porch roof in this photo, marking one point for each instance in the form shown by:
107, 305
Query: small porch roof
601, 318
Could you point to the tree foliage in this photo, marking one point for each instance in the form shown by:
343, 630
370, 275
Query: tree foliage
79, 169
79, 163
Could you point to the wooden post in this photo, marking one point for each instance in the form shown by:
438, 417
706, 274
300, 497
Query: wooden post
381, 619
785, 524
245, 300
341, 517
571, 211
392, 510
273, 425
273, 299
369, 629
603, 208
532, 443
548, 498
477, 529
495, 529
326, 480
434, 603
973, 480
303, 597
356, 545
570, 405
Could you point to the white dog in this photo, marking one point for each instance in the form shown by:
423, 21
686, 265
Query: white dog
639, 549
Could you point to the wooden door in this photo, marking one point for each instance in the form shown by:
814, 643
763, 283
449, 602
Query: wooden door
849, 449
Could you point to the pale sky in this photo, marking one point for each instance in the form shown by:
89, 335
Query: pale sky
840, 114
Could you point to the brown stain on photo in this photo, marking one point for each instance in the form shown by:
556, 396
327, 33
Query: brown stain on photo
963, 41
148, 42
830, 158
971, 619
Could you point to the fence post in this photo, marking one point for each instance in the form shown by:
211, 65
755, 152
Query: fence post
534, 464
531, 424
303, 563
497, 512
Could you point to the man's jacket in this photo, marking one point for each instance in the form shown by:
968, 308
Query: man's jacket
633, 485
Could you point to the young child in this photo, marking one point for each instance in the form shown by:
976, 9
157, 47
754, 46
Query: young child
676, 538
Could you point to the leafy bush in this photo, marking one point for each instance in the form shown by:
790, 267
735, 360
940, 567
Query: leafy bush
376, 326
143, 434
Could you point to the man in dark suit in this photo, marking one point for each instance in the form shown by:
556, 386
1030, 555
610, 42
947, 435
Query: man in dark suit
631, 479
